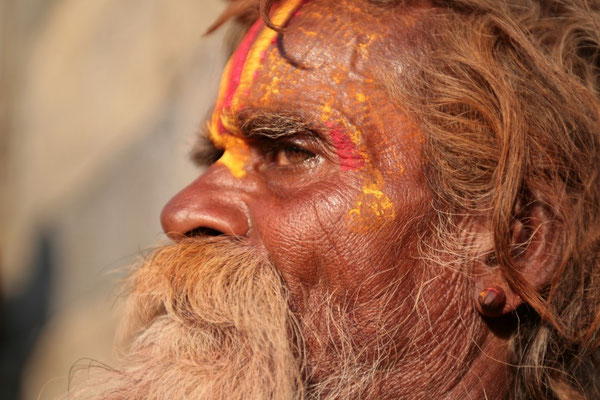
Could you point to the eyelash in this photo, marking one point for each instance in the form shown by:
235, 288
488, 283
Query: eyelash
205, 153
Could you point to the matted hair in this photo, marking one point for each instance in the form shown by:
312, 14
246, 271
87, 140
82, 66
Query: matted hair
506, 94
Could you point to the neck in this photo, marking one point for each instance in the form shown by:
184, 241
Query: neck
461, 366
488, 377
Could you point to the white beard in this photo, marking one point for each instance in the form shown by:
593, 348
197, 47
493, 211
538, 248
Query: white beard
206, 320
210, 320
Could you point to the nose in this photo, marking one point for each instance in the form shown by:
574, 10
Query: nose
211, 205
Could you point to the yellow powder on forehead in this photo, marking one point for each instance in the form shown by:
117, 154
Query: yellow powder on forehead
256, 56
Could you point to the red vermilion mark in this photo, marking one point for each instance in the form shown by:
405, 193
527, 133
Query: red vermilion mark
348, 155
239, 59
243, 66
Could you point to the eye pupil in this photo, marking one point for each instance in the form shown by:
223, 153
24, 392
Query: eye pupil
291, 155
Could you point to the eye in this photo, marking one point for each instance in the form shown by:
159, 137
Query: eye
288, 155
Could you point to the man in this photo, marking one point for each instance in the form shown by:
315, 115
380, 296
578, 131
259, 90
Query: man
401, 201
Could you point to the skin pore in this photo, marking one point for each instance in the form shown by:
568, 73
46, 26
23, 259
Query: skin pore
323, 174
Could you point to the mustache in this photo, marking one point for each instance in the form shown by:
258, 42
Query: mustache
201, 281
206, 319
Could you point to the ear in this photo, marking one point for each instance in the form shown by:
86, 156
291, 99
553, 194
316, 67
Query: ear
534, 245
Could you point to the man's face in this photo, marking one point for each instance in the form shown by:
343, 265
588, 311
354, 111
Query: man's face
321, 171
320, 168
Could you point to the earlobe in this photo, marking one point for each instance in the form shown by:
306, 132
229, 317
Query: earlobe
533, 254
493, 296
492, 301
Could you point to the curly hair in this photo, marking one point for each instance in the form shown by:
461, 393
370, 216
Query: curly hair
506, 94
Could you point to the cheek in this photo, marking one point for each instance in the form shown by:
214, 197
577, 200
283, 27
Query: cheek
309, 240
368, 275
372, 209
305, 234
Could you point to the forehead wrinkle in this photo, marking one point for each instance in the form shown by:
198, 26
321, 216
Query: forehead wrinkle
312, 42
362, 39
335, 27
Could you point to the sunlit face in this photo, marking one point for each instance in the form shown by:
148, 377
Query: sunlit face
320, 170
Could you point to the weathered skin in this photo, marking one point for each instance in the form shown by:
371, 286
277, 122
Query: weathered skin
346, 217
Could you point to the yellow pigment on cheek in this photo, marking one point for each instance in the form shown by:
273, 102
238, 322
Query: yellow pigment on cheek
372, 207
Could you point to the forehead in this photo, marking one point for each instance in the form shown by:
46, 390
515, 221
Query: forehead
323, 35
321, 52
337, 42
330, 49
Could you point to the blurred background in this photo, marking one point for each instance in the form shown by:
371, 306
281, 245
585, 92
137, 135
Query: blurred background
100, 101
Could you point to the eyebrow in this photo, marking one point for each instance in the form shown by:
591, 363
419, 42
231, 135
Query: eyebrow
274, 125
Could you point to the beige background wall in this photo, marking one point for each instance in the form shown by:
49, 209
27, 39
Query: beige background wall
99, 100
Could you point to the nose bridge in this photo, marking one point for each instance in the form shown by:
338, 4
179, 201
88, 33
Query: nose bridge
214, 203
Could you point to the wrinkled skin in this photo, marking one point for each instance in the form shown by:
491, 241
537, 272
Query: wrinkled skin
342, 214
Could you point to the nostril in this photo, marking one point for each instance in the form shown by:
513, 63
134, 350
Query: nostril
203, 210
203, 231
